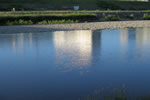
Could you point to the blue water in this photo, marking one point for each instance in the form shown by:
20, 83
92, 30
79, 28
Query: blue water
68, 65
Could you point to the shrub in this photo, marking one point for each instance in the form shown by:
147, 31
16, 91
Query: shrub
111, 17
29, 22
41, 17
58, 21
43, 22
19, 22
131, 16
146, 16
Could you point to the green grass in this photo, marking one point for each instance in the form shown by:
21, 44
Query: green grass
146, 16
131, 16
57, 17
67, 12
111, 17
20, 19
20, 22
58, 21
37, 15
29, 22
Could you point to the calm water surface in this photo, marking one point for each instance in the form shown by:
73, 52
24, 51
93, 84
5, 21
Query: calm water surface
68, 65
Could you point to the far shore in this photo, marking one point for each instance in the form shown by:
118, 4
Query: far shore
75, 26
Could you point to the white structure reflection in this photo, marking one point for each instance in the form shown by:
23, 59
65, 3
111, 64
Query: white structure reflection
20, 40
143, 36
124, 41
76, 46
143, 41
124, 37
14, 43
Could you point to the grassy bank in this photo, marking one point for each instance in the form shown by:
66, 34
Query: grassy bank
56, 17
71, 11
20, 19
30, 22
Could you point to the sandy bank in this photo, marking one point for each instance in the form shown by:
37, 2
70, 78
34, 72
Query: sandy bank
77, 26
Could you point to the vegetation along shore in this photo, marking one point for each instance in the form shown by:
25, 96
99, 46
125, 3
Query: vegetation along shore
57, 17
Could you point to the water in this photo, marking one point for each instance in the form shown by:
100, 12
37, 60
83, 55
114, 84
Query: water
68, 65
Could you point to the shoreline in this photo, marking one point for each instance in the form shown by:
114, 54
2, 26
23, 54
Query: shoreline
75, 26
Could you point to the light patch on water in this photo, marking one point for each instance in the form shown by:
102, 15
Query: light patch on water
77, 45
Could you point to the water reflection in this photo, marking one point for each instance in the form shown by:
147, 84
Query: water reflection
140, 37
76, 47
14, 43
127, 35
124, 41
124, 37
71, 64
30, 39
143, 36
